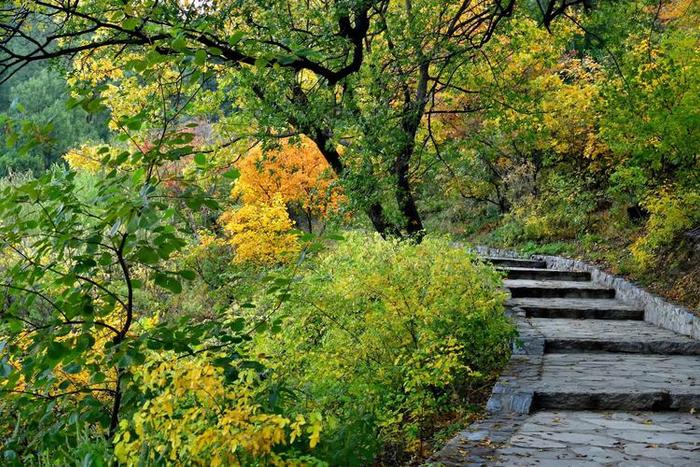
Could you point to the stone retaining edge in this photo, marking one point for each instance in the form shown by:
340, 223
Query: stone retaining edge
656, 310
507, 408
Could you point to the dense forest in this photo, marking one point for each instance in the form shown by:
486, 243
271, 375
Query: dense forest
228, 228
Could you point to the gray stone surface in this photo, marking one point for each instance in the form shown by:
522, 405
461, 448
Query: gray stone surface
576, 308
551, 274
621, 372
557, 289
617, 381
609, 361
630, 336
572, 303
513, 392
517, 262
478, 444
597, 438
656, 309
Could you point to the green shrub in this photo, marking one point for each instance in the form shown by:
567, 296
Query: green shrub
672, 211
383, 337
554, 248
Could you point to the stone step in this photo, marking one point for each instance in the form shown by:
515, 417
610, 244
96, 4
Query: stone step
523, 288
551, 274
567, 438
607, 381
517, 263
640, 337
576, 308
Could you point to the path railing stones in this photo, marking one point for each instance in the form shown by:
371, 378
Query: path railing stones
589, 382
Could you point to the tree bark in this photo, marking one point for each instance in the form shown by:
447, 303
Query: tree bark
414, 108
375, 211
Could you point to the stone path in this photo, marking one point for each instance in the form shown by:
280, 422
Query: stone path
594, 438
590, 382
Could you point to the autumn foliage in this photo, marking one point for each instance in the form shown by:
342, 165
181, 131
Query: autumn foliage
261, 233
297, 172
293, 178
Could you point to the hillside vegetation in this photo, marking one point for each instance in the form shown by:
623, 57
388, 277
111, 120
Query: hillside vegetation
227, 228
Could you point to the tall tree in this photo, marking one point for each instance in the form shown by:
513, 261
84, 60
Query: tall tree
358, 74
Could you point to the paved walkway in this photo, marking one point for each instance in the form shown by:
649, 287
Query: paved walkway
590, 382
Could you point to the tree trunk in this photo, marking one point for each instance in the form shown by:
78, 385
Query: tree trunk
414, 108
375, 211
404, 197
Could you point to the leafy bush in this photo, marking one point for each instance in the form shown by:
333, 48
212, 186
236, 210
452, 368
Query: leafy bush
88, 262
554, 248
561, 212
194, 415
671, 213
384, 337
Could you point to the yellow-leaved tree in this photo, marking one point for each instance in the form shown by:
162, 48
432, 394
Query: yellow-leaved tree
281, 187
261, 233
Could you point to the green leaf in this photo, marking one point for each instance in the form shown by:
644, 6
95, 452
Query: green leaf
215, 51
200, 57
85, 341
147, 255
308, 53
121, 158
286, 59
235, 38
72, 368
115, 228
5, 369
179, 43
167, 282
211, 203
139, 176
261, 63
194, 202
187, 274
137, 65
232, 174
237, 325
56, 351
200, 159
130, 24
134, 124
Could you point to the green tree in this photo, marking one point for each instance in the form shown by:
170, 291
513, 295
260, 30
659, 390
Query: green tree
39, 127
360, 74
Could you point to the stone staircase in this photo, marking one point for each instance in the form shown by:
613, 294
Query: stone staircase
590, 382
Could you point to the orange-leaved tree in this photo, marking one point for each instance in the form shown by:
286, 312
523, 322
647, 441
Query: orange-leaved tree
297, 173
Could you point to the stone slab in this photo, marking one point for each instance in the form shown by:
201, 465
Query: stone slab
522, 288
628, 336
516, 262
656, 310
600, 438
604, 381
576, 308
550, 274
513, 391
478, 444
